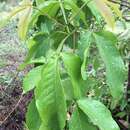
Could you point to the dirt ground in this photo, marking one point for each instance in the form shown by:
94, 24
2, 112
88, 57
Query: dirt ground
12, 102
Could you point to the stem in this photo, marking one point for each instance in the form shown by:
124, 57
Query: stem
43, 13
63, 41
63, 12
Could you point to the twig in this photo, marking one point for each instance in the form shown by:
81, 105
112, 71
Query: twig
12, 110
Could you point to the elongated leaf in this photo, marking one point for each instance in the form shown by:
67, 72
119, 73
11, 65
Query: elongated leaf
33, 120
73, 65
7, 17
106, 12
32, 79
99, 8
98, 114
79, 121
83, 48
50, 98
24, 20
115, 68
115, 8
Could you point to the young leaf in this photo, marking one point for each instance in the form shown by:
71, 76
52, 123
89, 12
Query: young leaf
32, 79
98, 114
33, 120
79, 121
50, 98
24, 20
115, 69
83, 48
73, 65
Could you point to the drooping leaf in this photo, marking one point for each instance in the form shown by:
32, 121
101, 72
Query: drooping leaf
32, 79
33, 120
83, 48
24, 20
50, 98
73, 65
98, 114
79, 121
115, 69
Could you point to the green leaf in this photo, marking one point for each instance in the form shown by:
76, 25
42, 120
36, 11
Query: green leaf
79, 121
48, 8
32, 79
73, 64
38, 2
76, 11
24, 20
115, 69
83, 48
50, 98
33, 120
40, 60
98, 114
67, 85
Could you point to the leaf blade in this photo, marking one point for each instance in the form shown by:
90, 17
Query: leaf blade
98, 114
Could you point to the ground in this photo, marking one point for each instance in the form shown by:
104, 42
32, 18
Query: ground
12, 104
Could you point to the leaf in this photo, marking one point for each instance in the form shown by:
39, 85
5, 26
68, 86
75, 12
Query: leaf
76, 11
48, 8
79, 121
73, 65
98, 114
105, 12
83, 48
33, 120
40, 60
67, 85
38, 2
24, 20
115, 8
115, 69
7, 17
50, 98
98, 8
32, 79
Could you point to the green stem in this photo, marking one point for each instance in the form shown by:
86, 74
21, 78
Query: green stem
63, 12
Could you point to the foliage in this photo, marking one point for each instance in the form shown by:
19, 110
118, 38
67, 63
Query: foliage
66, 37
